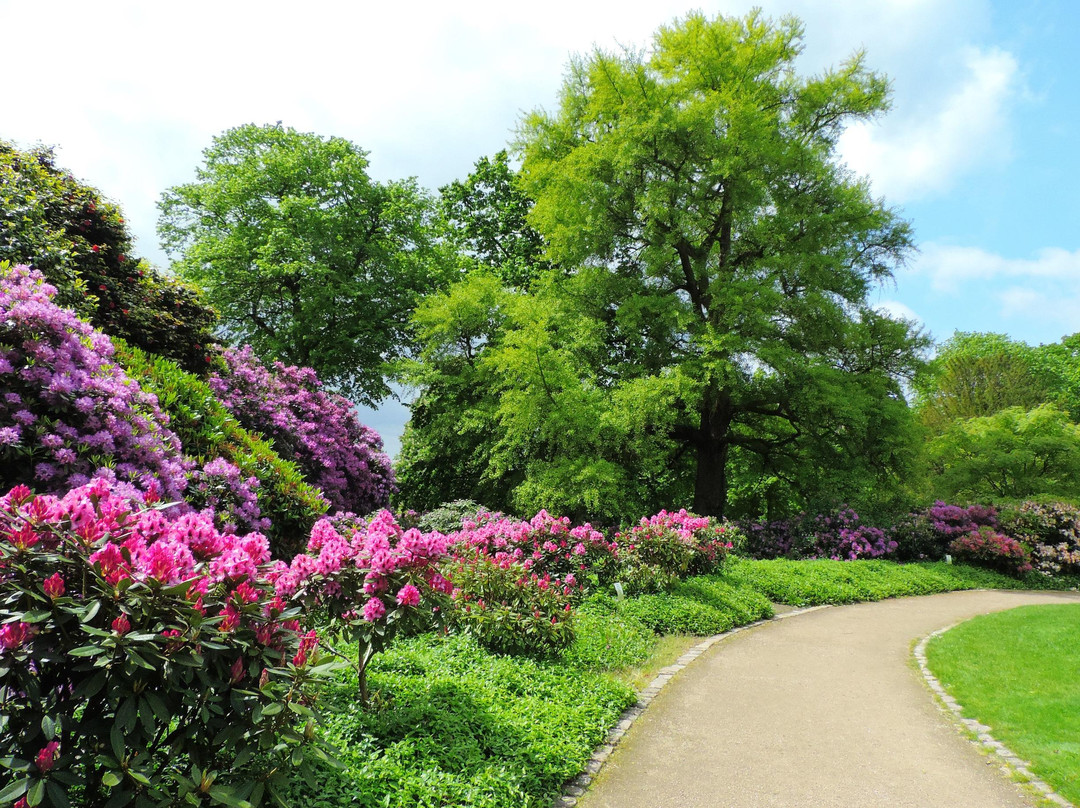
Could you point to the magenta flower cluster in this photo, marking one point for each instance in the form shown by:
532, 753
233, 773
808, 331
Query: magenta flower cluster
317, 429
375, 570
68, 412
549, 551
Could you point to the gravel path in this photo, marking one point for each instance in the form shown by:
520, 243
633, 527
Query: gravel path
822, 709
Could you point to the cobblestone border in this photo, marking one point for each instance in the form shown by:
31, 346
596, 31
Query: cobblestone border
1011, 762
575, 788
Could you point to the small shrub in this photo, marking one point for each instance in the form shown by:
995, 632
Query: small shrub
509, 608
1052, 530
841, 536
667, 547
394, 571
917, 539
141, 659
449, 516
988, 548
547, 546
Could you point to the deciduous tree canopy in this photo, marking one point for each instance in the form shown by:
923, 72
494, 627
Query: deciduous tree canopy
307, 258
705, 171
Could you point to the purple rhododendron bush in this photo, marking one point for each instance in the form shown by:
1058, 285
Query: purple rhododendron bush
317, 429
67, 410
143, 660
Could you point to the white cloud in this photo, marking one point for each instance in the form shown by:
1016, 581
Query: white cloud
950, 268
925, 153
898, 310
1035, 298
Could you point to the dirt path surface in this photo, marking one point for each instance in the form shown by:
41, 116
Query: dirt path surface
822, 709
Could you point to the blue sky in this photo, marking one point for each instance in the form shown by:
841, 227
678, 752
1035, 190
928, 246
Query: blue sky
979, 150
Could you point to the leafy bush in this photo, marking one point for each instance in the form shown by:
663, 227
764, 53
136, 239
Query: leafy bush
449, 517
316, 429
456, 725
68, 411
841, 536
141, 660
508, 608
394, 571
664, 548
917, 539
986, 547
207, 431
1052, 530
80, 243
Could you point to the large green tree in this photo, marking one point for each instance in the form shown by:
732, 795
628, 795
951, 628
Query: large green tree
306, 257
705, 172
978, 374
1011, 454
484, 219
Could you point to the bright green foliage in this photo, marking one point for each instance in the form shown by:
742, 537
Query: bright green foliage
455, 725
702, 605
307, 258
975, 375
1012, 454
605, 641
1015, 671
703, 174
207, 430
485, 220
448, 446
1059, 364
81, 244
447, 518
813, 583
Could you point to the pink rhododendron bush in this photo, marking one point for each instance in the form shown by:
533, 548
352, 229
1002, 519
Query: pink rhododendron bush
67, 410
306, 424
371, 582
661, 549
143, 661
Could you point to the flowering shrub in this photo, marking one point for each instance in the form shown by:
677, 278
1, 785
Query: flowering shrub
508, 608
1052, 530
841, 537
67, 410
206, 429
81, 244
233, 500
661, 549
375, 584
318, 430
142, 660
988, 548
545, 546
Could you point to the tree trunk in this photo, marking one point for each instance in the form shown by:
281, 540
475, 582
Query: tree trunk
711, 483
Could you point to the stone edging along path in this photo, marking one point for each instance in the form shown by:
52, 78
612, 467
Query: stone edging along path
576, 787
1011, 762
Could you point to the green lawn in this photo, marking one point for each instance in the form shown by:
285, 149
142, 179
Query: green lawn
1018, 672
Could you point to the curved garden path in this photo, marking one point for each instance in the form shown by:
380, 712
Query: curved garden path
823, 709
